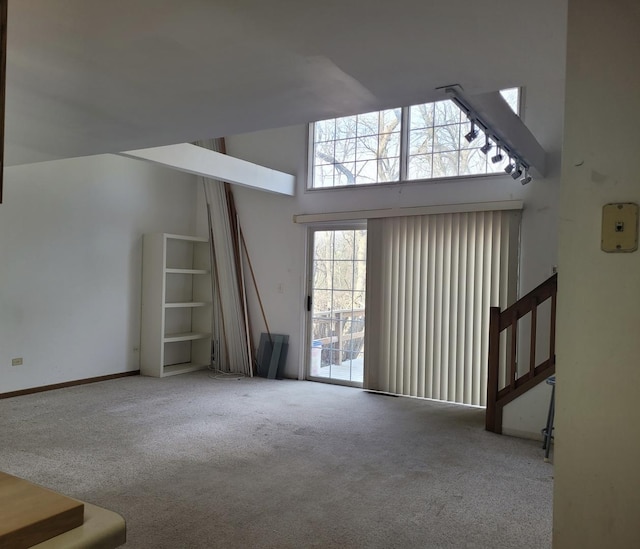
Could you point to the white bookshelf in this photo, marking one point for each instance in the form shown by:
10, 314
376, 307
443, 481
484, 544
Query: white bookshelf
176, 304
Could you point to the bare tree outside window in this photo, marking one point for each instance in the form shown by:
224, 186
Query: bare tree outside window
338, 288
365, 148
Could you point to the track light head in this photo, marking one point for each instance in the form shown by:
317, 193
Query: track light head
486, 147
509, 167
527, 178
497, 157
517, 172
472, 134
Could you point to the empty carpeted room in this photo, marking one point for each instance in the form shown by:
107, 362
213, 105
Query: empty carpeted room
284, 274
192, 461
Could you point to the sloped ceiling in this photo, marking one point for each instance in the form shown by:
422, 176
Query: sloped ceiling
93, 76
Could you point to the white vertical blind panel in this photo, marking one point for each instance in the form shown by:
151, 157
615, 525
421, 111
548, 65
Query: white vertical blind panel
468, 313
401, 284
463, 389
423, 311
438, 299
415, 309
431, 292
453, 376
431, 282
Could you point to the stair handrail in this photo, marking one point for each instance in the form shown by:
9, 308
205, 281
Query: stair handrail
498, 398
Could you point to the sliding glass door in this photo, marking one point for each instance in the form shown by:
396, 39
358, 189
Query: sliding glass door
336, 298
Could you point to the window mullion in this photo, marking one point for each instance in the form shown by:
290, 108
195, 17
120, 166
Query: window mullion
404, 143
311, 161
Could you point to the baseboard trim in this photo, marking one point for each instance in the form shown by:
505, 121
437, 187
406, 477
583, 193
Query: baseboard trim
529, 435
55, 386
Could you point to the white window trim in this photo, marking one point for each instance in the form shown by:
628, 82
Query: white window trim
401, 212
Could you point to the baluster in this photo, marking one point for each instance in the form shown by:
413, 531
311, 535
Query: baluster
552, 335
532, 351
514, 345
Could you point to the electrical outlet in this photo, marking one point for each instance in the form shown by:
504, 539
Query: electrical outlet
16, 361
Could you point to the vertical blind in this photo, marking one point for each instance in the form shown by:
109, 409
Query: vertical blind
430, 282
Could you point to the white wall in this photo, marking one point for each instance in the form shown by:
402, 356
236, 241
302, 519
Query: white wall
70, 263
277, 245
597, 454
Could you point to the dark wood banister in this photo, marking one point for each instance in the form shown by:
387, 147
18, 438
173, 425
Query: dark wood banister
498, 397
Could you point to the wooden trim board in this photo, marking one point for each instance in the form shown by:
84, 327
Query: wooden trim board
434, 209
30, 514
68, 384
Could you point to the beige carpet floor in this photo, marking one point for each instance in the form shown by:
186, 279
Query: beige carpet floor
193, 462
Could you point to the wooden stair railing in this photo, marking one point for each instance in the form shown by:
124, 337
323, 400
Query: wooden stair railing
498, 397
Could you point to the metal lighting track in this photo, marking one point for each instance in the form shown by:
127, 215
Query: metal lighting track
491, 113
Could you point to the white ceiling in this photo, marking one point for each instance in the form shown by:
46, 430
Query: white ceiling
94, 76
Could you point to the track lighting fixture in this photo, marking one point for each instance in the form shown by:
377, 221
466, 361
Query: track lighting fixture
517, 172
472, 134
509, 167
498, 157
518, 164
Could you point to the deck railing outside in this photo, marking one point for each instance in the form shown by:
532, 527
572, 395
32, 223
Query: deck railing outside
341, 333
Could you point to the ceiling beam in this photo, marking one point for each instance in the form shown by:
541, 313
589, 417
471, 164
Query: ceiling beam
214, 165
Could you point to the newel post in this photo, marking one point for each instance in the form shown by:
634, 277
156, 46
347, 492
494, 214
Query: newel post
494, 416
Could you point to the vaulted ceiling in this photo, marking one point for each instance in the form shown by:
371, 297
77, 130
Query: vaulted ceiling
93, 76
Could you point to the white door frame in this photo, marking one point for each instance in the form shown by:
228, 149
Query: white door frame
307, 323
